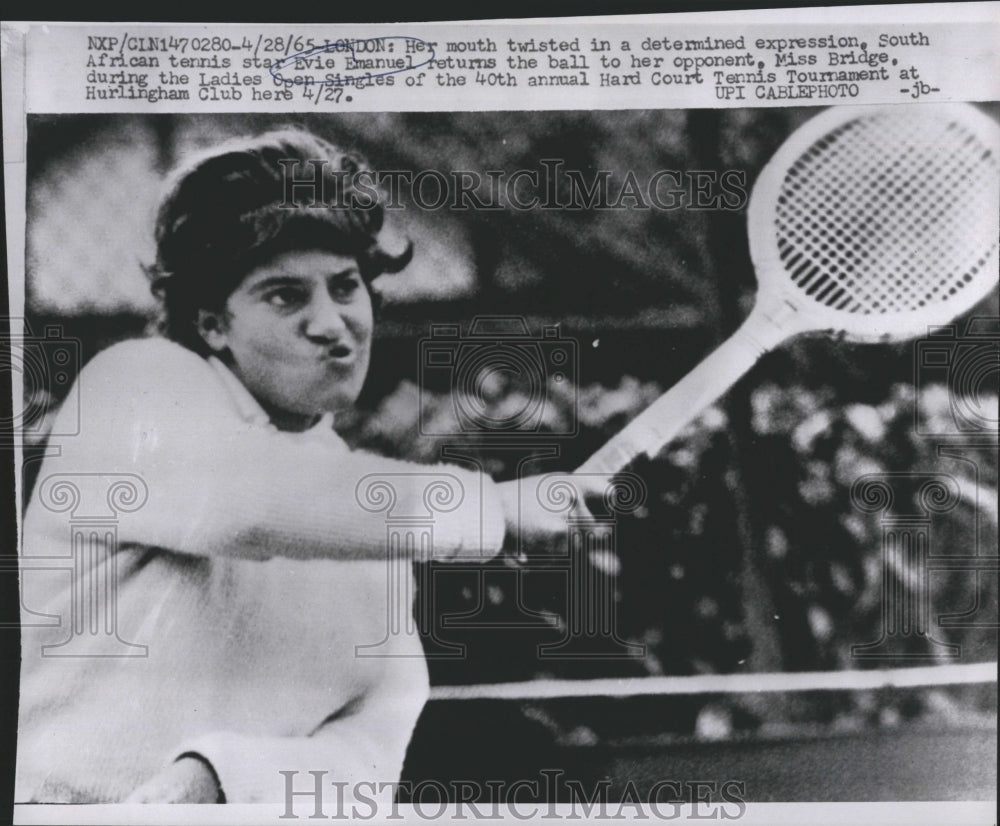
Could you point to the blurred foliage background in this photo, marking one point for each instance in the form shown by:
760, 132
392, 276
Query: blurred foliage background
749, 553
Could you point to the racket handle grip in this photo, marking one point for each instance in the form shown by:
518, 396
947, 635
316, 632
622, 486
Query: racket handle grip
655, 427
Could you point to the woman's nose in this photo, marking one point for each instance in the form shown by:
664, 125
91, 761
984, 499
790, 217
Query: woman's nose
325, 319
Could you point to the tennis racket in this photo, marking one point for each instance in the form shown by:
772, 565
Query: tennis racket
869, 224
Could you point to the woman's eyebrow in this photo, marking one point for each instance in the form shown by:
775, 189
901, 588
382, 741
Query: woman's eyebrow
344, 273
292, 280
277, 281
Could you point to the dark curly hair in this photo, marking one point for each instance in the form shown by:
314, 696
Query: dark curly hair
230, 209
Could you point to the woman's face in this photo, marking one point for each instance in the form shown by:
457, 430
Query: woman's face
298, 333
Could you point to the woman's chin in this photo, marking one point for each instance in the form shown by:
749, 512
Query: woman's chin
340, 404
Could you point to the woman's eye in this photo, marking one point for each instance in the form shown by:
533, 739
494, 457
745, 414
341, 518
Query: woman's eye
285, 297
345, 288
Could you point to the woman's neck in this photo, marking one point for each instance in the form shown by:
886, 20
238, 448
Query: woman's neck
288, 421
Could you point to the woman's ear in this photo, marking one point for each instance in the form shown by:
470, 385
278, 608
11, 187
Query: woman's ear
212, 328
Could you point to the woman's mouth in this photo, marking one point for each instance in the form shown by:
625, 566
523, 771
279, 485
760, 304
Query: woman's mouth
339, 354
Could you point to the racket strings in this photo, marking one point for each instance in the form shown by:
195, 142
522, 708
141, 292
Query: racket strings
876, 218
908, 169
871, 222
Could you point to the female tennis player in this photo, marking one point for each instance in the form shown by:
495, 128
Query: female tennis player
242, 571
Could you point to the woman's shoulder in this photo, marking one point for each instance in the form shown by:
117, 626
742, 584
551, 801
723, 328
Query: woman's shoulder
156, 360
149, 366
151, 353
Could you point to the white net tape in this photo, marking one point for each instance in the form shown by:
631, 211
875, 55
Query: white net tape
913, 677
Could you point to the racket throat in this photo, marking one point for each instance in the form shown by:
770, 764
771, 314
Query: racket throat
766, 328
775, 318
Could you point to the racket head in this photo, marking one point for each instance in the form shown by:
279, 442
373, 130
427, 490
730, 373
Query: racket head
877, 222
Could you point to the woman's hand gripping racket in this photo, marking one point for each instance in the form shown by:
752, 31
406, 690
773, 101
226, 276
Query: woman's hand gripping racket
869, 223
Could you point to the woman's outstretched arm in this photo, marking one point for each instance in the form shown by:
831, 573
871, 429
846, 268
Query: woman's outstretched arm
219, 485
